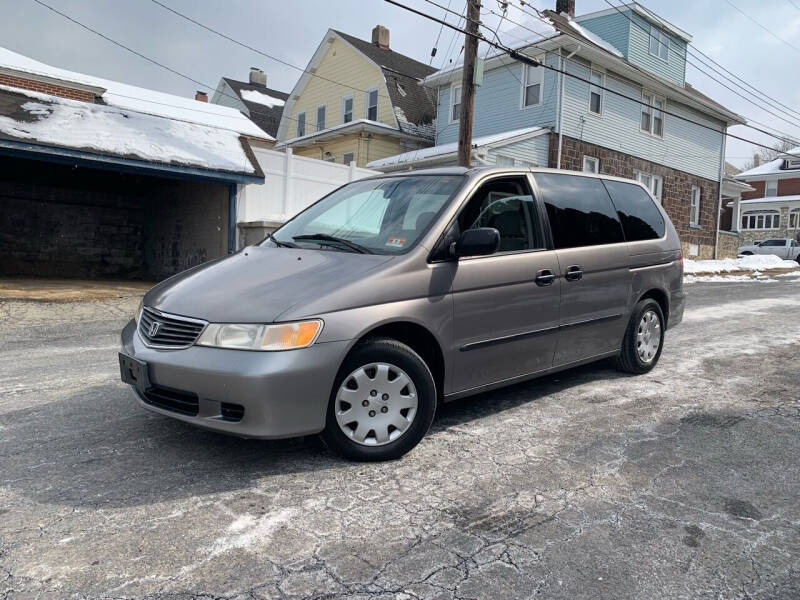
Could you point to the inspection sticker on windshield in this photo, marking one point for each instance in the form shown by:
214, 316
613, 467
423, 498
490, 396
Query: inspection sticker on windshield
396, 242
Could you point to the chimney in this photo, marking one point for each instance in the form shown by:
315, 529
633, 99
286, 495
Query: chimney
380, 37
756, 159
258, 77
566, 6
201, 96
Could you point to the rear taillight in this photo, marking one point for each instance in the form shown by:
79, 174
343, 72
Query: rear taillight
680, 260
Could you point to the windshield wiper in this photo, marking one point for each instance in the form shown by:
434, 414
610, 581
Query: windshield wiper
324, 237
279, 243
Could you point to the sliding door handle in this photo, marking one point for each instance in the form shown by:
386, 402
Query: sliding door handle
574, 273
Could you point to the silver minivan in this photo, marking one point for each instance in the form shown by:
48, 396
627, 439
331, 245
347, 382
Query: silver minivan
392, 294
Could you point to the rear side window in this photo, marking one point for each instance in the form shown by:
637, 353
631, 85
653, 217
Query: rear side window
580, 211
641, 219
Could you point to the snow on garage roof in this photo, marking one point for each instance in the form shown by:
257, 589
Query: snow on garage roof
51, 121
772, 167
140, 99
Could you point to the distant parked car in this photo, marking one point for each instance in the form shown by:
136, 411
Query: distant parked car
781, 247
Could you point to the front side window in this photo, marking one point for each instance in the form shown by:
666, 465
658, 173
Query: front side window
694, 206
652, 120
580, 210
507, 205
761, 219
301, 124
455, 103
347, 109
659, 43
773, 243
372, 105
652, 183
591, 164
321, 117
771, 188
380, 216
596, 93
640, 217
533, 78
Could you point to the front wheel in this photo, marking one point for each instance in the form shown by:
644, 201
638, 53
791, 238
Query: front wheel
382, 403
644, 338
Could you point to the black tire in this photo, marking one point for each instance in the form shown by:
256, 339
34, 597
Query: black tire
629, 359
747, 253
395, 353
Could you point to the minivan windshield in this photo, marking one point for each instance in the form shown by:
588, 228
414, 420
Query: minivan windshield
375, 216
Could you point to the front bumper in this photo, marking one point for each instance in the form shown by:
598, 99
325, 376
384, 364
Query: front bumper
284, 394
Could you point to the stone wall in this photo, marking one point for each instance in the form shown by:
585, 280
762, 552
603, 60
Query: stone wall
676, 193
729, 243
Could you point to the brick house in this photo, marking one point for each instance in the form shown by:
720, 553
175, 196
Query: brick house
104, 179
624, 108
772, 208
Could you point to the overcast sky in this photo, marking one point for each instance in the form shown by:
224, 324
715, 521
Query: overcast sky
292, 29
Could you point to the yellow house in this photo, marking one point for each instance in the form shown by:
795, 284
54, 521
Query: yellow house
358, 101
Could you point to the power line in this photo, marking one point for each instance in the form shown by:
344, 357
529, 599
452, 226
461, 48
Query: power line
779, 135
686, 58
536, 63
769, 31
754, 90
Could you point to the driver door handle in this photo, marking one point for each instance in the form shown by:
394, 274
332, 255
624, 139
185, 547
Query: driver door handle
545, 277
574, 273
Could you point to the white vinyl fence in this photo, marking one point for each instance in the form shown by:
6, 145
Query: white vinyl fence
292, 183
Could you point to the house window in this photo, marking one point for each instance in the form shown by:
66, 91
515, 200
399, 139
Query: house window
794, 218
761, 219
654, 183
301, 124
347, 109
653, 114
455, 103
372, 105
532, 80
793, 163
321, 117
591, 164
596, 93
772, 188
348, 157
694, 207
659, 43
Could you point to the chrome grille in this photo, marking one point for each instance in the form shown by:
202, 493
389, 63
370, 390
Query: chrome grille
163, 330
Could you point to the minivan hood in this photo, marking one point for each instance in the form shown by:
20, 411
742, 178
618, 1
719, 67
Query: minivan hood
258, 283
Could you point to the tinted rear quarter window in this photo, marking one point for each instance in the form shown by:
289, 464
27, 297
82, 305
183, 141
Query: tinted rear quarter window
640, 217
579, 209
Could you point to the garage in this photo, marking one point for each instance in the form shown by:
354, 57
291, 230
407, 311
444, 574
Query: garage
90, 190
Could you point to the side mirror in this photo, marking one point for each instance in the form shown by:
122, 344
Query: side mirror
477, 242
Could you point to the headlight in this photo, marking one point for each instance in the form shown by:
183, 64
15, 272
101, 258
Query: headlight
138, 311
283, 336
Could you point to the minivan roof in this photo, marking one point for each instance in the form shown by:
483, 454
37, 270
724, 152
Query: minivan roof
475, 172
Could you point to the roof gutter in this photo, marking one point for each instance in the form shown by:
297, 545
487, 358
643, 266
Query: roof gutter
116, 163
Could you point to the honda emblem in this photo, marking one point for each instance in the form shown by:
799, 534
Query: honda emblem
154, 327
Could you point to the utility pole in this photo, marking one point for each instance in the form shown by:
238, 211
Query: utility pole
468, 83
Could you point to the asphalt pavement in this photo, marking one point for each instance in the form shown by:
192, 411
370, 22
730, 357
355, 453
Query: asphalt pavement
683, 483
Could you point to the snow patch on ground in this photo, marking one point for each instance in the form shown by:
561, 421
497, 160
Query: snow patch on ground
755, 262
746, 308
724, 279
80, 125
248, 531
261, 98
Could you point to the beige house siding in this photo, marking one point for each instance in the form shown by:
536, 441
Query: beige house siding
366, 148
341, 63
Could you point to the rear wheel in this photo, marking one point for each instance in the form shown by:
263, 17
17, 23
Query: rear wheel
644, 338
382, 403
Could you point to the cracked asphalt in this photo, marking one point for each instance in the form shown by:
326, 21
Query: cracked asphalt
683, 483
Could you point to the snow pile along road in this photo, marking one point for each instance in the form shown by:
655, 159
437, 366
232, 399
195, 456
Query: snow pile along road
756, 262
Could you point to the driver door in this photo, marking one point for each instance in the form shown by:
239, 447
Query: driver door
506, 304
